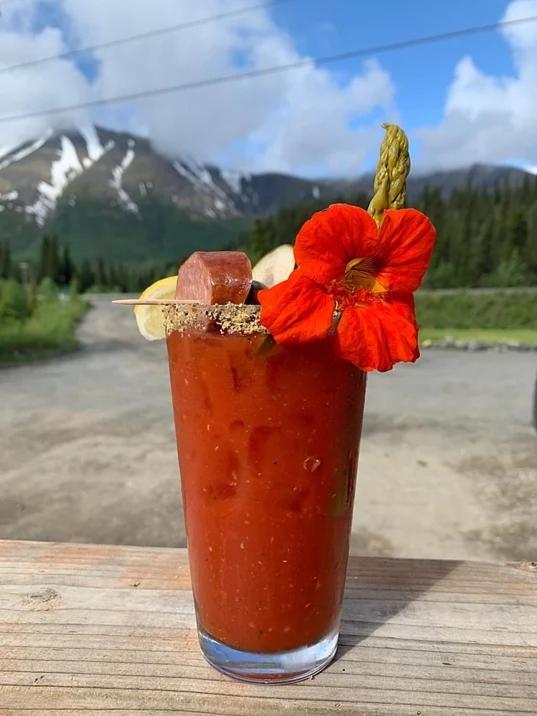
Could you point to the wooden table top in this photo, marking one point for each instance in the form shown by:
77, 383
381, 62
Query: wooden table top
93, 630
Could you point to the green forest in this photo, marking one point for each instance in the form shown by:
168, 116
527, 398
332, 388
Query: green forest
54, 262
485, 239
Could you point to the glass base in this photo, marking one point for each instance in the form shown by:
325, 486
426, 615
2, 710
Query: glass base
281, 667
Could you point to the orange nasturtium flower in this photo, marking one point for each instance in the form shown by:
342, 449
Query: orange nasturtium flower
351, 270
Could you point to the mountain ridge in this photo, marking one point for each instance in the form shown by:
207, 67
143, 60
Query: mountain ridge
98, 187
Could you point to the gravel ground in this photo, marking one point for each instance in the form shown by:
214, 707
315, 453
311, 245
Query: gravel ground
448, 466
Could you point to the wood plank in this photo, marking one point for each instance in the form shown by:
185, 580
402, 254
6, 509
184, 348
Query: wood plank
108, 629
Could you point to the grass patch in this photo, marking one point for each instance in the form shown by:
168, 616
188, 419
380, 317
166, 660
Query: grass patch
474, 310
488, 336
48, 332
491, 317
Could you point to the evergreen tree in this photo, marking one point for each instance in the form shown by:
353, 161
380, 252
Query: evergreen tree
113, 282
67, 268
43, 261
48, 265
53, 265
530, 253
86, 276
261, 238
5, 260
101, 276
526, 190
517, 230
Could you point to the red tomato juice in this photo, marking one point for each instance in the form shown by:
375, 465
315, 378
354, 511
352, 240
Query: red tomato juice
268, 442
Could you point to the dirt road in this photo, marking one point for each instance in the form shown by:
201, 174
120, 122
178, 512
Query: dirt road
448, 465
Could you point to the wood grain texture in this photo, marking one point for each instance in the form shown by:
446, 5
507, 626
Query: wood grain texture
98, 630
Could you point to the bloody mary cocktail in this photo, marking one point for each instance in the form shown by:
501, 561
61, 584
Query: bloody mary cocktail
268, 444
267, 369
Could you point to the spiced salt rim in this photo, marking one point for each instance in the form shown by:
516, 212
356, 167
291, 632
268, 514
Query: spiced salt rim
228, 318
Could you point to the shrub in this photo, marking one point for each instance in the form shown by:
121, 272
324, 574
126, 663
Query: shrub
14, 304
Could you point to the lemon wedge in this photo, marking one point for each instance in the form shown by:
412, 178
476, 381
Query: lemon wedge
276, 266
149, 319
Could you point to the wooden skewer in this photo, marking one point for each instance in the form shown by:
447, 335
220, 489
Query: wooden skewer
154, 301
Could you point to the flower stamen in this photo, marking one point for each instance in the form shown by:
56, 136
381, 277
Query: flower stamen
360, 274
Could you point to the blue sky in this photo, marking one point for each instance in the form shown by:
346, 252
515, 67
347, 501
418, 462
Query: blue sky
464, 100
421, 74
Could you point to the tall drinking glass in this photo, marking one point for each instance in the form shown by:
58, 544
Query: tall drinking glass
268, 441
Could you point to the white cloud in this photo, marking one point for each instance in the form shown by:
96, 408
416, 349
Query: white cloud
313, 123
307, 120
489, 118
56, 84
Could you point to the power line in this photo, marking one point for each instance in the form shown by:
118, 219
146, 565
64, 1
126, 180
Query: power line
141, 36
261, 72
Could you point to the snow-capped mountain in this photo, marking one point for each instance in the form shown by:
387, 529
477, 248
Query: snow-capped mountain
111, 194
123, 170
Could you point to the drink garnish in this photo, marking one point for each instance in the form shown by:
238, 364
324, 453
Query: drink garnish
363, 267
393, 168
223, 318
276, 266
215, 277
149, 318
349, 280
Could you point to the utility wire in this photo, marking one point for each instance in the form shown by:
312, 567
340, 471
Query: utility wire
141, 36
261, 72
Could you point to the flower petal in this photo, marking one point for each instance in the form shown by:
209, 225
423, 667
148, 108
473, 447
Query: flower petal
377, 334
405, 244
296, 310
331, 238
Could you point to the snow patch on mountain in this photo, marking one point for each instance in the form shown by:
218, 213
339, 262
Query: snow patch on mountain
66, 168
189, 171
93, 144
234, 179
25, 151
186, 171
7, 149
206, 178
62, 171
117, 180
10, 196
201, 178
